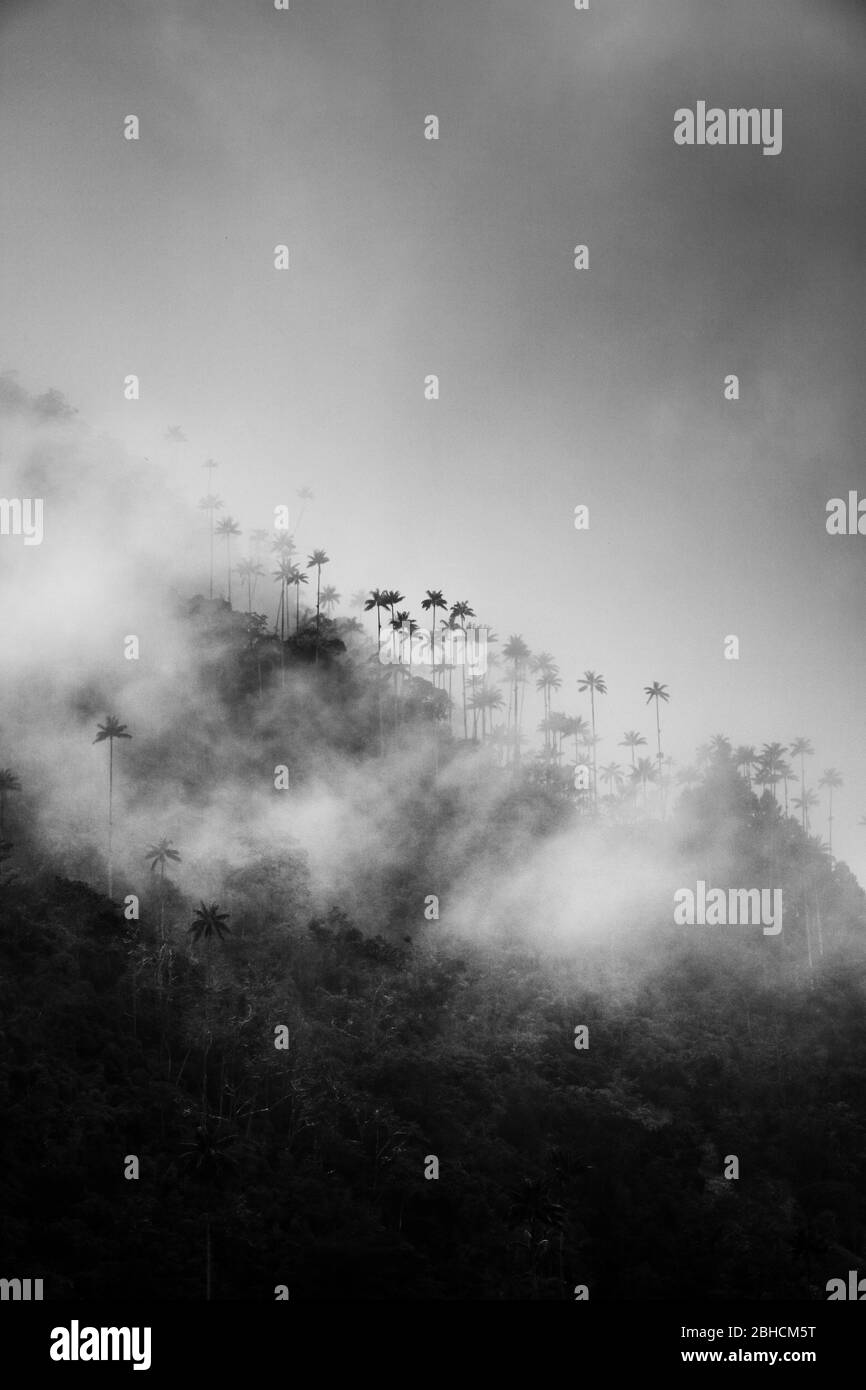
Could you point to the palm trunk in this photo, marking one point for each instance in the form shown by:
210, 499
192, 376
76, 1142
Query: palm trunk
211, 551
318, 591
110, 795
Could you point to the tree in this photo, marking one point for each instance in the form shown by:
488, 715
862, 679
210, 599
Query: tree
8, 783
658, 693
804, 804
249, 571
430, 604
632, 739
110, 730
832, 780
315, 561
772, 760
517, 654
746, 756
642, 773
801, 748
595, 685
297, 578
227, 528
211, 504
459, 613
208, 924
612, 776
330, 599
161, 854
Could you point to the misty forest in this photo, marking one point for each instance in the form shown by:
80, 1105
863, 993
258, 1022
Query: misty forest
356, 978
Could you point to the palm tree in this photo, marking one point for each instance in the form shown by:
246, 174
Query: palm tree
801, 748
832, 780
459, 613
632, 739
593, 683
612, 775
316, 561
658, 693
257, 540
517, 654
548, 681
160, 854
804, 804
430, 604
249, 571
772, 760
228, 527
284, 575
209, 923
746, 756
297, 578
306, 496
643, 772
8, 783
786, 772
111, 729
330, 599
211, 504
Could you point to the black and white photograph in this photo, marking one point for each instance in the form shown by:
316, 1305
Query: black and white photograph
432, 618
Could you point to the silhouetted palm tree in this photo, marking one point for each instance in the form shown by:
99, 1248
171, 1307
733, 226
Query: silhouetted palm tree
804, 804
208, 924
459, 613
658, 693
746, 756
297, 578
315, 561
430, 604
160, 854
642, 773
110, 730
227, 528
249, 571
801, 748
212, 504
832, 780
595, 685
632, 739
612, 775
330, 599
517, 654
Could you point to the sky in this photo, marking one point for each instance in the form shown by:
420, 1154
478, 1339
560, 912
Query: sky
409, 256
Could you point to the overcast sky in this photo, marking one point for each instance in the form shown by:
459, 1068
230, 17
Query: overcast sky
455, 257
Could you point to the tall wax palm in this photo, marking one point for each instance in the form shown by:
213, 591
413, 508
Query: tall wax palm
786, 772
643, 772
8, 783
430, 604
746, 756
517, 654
804, 804
249, 571
110, 730
330, 599
801, 748
832, 780
297, 578
284, 576
257, 540
632, 739
772, 759
212, 504
459, 613
315, 561
543, 666
160, 855
227, 528
595, 685
209, 923
376, 599
612, 775
658, 693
